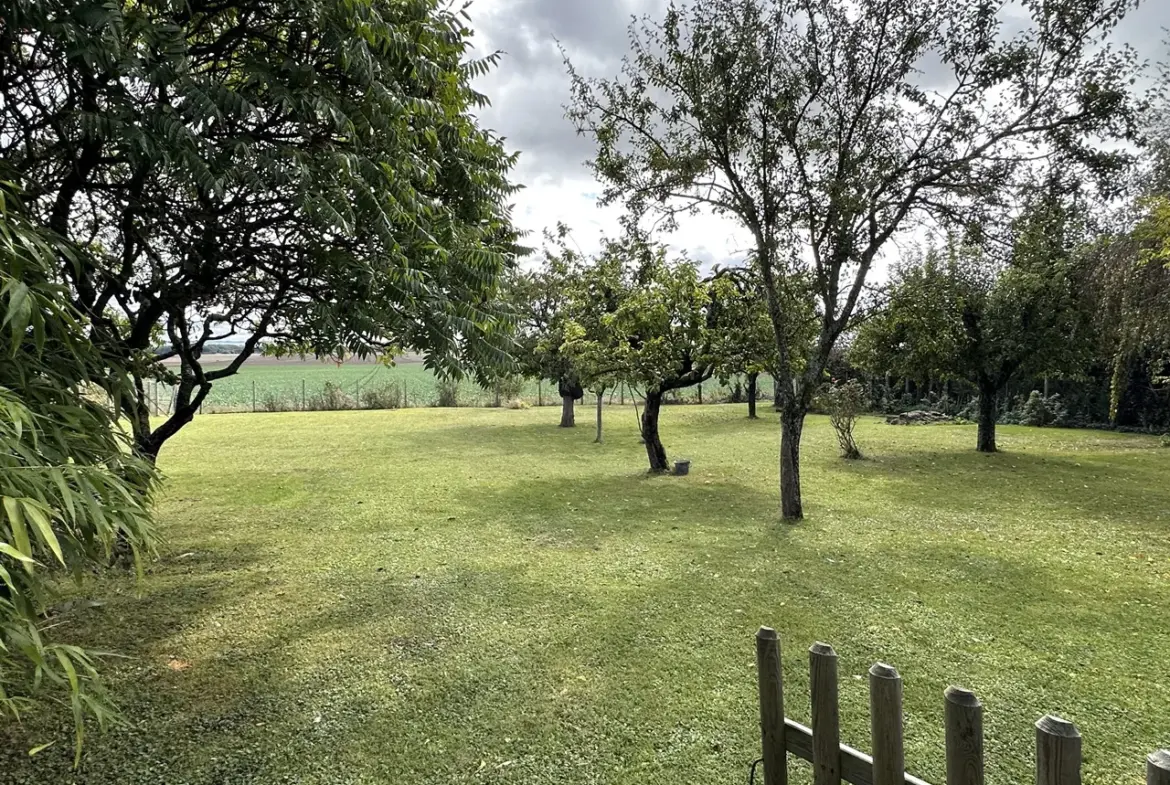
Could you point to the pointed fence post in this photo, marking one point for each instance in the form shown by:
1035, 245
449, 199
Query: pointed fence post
826, 715
964, 733
1058, 752
771, 684
885, 709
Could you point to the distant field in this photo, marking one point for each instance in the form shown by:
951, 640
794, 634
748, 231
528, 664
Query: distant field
266, 384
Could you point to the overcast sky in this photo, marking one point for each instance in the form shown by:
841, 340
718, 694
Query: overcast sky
530, 88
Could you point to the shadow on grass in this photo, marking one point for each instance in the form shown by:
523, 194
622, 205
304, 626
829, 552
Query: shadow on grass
589, 509
965, 481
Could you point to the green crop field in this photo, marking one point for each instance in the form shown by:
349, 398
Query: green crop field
289, 385
477, 596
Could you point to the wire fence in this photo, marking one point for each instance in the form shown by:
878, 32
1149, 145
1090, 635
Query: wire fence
305, 394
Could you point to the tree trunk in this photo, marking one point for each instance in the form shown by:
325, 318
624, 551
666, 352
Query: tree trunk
568, 417
987, 400
600, 393
791, 427
654, 449
752, 381
777, 398
570, 391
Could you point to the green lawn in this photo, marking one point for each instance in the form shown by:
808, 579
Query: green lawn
476, 596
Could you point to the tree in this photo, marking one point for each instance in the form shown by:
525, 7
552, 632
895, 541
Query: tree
644, 319
812, 123
749, 348
306, 175
540, 299
69, 487
956, 314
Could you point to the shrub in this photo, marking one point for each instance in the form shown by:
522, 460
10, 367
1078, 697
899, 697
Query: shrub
510, 388
332, 398
271, 402
385, 396
447, 392
843, 402
1040, 411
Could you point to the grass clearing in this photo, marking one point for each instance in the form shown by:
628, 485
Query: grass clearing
477, 596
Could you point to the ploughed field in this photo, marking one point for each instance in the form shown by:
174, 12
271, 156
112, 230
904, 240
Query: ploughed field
477, 596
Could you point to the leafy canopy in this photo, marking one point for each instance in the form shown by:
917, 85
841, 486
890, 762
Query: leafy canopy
304, 172
954, 312
640, 317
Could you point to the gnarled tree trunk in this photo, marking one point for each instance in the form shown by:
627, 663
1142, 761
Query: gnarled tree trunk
791, 426
568, 416
752, 384
654, 449
987, 416
570, 391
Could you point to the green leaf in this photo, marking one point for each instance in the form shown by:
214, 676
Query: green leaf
36, 514
8, 550
19, 531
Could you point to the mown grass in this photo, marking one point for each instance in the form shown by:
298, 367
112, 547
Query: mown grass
476, 596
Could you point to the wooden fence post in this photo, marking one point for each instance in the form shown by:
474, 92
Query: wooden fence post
826, 717
964, 724
304, 398
253, 395
885, 709
771, 683
1058, 752
1158, 768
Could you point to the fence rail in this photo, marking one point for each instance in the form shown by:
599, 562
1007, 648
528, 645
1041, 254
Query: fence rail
1058, 742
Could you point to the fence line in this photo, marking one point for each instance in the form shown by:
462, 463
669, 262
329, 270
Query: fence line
243, 394
1058, 742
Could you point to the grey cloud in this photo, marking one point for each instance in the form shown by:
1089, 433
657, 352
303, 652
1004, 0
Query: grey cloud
531, 87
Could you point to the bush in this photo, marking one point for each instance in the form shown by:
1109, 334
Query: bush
843, 402
1041, 411
509, 388
271, 402
332, 398
447, 392
386, 396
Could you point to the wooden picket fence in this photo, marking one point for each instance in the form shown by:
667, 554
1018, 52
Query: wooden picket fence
1058, 743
